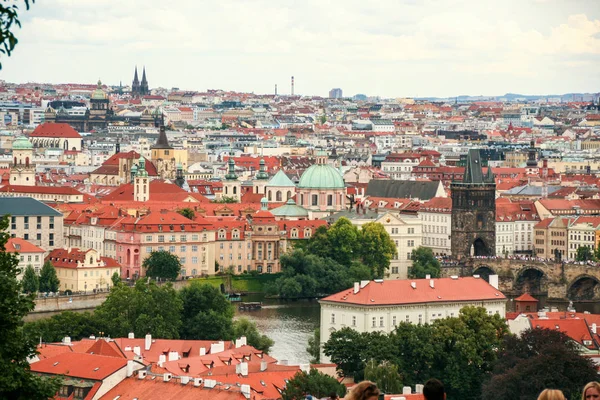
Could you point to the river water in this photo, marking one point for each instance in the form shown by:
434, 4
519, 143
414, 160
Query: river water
289, 323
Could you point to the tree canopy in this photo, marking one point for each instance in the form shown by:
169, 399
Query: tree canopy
206, 313
584, 253
538, 359
31, 282
385, 375
376, 248
247, 328
9, 18
187, 212
314, 383
162, 265
16, 379
314, 347
144, 308
48, 279
424, 263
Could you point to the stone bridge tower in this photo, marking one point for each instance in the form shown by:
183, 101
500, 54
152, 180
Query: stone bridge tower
474, 211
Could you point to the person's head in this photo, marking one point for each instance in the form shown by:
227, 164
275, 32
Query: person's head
434, 390
551, 394
591, 391
366, 390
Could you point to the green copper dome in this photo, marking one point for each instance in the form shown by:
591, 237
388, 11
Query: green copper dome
22, 143
290, 209
141, 170
321, 176
99, 94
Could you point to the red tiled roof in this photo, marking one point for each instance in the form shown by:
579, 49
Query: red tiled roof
80, 365
104, 348
526, 297
18, 245
576, 329
55, 130
60, 190
391, 292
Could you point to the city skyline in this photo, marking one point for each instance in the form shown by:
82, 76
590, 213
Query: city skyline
412, 49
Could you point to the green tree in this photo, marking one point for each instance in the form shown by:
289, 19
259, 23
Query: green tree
162, 265
16, 379
48, 279
31, 283
206, 314
187, 212
225, 200
247, 328
340, 242
376, 248
315, 383
9, 18
115, 278
385, 375
584, 253
346, 348
68, 323
424, 263
144, 308
323, 119
538, 359
314, 347
414, 352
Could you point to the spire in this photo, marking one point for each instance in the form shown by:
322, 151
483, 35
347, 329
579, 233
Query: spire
179, 179
473, 171
489, 177
532, 156
231, 176
135, 77
141, 170
144, 75
162, 142
262, 173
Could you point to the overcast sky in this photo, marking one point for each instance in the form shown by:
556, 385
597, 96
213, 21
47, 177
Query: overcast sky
391, 48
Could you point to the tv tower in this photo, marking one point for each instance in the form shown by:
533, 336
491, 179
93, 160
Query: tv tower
292, 85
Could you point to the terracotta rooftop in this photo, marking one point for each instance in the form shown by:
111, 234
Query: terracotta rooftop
55, 130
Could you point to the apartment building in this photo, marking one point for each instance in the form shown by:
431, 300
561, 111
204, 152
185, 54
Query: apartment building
34, 221
28, 253
436, 217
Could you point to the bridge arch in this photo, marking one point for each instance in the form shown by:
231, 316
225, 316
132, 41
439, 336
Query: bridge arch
484, 271
584, 287
531, 279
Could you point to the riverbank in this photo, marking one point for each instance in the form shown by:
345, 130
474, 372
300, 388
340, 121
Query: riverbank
245, 283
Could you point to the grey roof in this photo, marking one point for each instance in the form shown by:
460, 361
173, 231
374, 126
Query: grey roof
529, 190
422, 190
351, 215
25, 206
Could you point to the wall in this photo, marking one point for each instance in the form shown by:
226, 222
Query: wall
49, 304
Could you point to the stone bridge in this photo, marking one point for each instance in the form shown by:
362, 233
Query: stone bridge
572, 281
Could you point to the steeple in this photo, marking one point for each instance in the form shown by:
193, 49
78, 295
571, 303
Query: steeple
179, 179
473, 170
262, 173
136, 81
135, 86
144, 84
162, 142
532, 156
231, 176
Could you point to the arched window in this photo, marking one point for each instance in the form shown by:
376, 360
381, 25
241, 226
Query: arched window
315, 199
289, 195
269, 197
329, 199
235, 190
226, 192
27, 161
278, 196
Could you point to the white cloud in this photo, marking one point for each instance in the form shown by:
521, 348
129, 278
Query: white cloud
391, 48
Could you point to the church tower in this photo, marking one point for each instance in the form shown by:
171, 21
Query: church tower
261, 178
232, 186
141, 184
163, 155
22, 170
532, 154
144, 84
135, 86
474, 211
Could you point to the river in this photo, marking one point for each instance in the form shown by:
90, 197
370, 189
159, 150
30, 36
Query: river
289, 323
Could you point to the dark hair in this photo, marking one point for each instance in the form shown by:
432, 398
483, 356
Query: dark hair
433, 390
363, 391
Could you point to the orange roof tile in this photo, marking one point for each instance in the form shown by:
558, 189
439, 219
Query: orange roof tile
80, 365
55, 130
18, 245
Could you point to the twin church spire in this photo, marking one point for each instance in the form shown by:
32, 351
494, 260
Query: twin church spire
139, 88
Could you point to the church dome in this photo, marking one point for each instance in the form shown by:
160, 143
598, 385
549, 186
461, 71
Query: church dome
321, 176
99, 94
22, 143
290, 209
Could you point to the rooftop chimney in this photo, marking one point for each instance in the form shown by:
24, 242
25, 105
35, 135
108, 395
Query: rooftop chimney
161, 360
210, 383
142, 374
197, 382
427, 276
137, 350
431, 284
67, 340
217, 347
167, 377
130, 368
245, 389
356, 287
240, 342
406, 390
202, 351
244, 369
148, 342
184, 380
493, 279
594, 329
413, 285
131, 335
263, 366
173, 356
363, 284
419, 389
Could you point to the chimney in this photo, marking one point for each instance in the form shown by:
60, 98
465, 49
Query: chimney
406, 390
431, 284
594, 329
263, 366
494, 281
161, 360
363, 284
246, 391
167, 377
173, 356
210, 383
240, 342
131, 336
427, 276
202, 351
413, 285
142, 374
67, 340
356, 287
137, 350
419, 389
244, 369
197, 382
184, 380
148, 342
217, 347
130, 368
